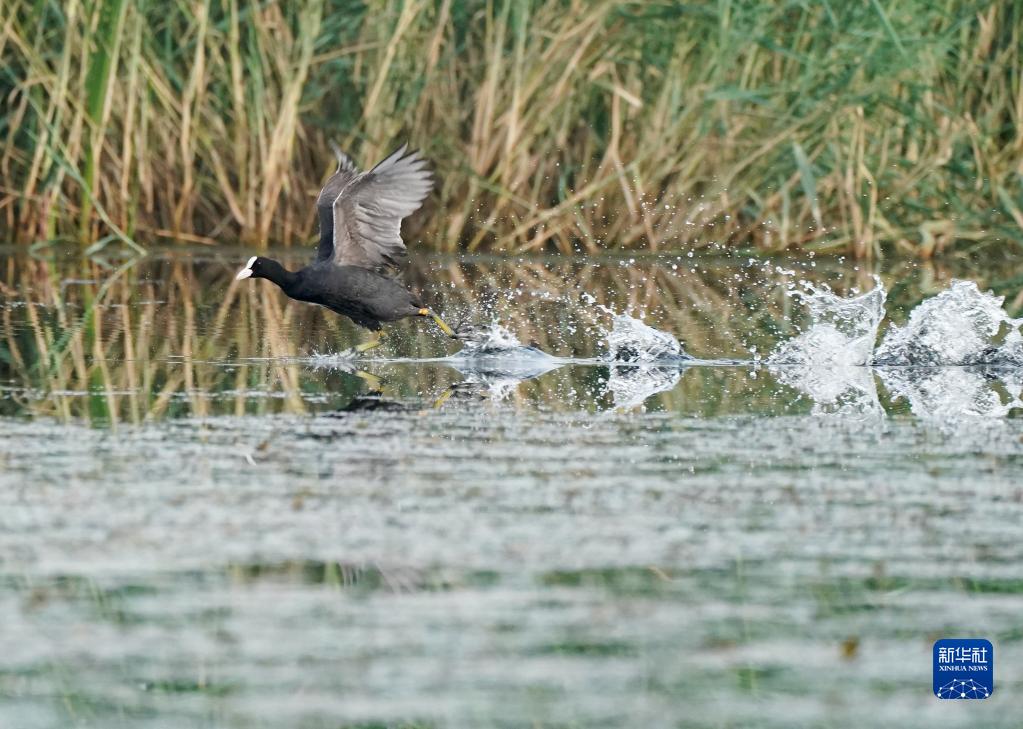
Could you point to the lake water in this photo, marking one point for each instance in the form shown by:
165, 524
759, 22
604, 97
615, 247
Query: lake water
208, 518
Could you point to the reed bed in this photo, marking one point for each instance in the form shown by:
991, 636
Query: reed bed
859, 127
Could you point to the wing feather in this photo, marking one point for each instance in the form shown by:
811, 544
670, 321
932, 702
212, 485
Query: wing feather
368, 211
346, 172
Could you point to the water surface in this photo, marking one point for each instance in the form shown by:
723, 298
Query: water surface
208, 518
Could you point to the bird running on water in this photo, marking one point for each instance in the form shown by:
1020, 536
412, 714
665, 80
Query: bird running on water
361, 251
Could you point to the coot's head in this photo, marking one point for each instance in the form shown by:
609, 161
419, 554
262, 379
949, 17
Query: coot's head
271, 270
254, 268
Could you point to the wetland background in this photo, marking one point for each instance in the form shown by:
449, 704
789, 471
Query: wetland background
172, 333
208, 518
856, 127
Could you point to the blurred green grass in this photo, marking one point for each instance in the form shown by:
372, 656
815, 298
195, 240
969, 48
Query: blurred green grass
859, 127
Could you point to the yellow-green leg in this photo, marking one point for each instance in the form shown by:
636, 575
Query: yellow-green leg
440, 322
443, 397
371, 344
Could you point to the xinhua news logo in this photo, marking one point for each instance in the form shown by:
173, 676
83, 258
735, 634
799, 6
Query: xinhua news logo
964, 668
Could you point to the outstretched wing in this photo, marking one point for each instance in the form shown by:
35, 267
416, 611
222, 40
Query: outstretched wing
369, 210
345, 173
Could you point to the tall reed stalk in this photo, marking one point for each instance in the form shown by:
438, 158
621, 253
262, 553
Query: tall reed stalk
101, 60
552, 124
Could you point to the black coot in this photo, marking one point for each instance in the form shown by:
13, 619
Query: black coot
361, 251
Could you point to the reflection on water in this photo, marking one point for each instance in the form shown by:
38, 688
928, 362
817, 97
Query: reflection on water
842, 390
176, 335
956, 396
632, 385
208, 518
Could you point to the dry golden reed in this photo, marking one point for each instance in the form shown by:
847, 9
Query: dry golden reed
564, 125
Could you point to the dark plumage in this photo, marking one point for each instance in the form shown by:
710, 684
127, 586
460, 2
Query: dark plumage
360, 250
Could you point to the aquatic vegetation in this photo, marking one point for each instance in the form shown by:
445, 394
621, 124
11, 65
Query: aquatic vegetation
577, 126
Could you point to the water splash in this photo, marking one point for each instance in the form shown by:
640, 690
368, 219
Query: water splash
496, 384
497, 377
494, 361
1010, 354
832, 351
346, 360
842, 331
630, 340
647, 350
492, 339
845, 390
630, 386
955, 395
959, 326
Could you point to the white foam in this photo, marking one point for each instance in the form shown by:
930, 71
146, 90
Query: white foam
631, 385
959, 326
630, 340
842, 331
493, 339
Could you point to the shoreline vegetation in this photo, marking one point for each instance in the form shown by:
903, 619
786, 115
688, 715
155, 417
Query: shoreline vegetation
554, 125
